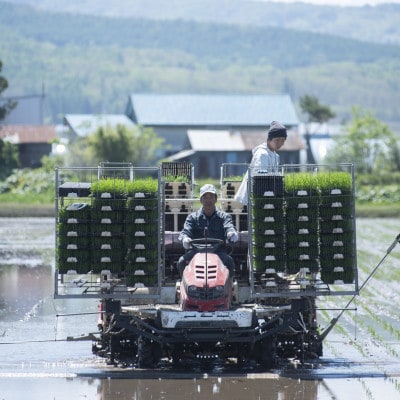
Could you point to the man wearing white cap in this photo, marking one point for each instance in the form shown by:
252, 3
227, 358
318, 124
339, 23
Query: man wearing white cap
217, 223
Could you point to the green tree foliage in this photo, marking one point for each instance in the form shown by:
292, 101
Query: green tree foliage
117, 144
185, 56
315, 112
6, 106
9, 158
368, 143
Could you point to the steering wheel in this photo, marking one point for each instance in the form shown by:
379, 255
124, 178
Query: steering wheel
207, 243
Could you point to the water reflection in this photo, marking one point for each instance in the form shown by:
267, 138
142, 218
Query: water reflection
266, 386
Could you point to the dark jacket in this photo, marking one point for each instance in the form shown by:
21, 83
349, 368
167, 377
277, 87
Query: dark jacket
219, 224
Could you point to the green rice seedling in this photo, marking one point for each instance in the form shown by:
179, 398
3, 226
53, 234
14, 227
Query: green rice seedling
142, 204
73, 229
146, 186
298, 246
336, 214
108, 255
141, 230
260, 265
294, 266
269, 253
336, 200
146, 280
271, 241
115, 188
78, 260
336, 239
78, 212
109, 204
132, 240
263, 206
268, 224
78, 242
337, 269
176, 178
108, 242
107, 229
330, 252
337, 182
107, 263
302, 230
309, 214
300, 184
336, 226
107, 216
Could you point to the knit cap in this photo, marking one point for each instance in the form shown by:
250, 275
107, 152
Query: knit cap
276, 129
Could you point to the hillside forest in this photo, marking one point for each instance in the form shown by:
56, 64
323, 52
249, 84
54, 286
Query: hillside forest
90, 63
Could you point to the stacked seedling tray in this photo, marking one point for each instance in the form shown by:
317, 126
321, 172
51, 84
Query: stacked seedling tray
142, 233
178, 187
302, 246
229, 188
73, 236
267, 222
337, 227
109, 197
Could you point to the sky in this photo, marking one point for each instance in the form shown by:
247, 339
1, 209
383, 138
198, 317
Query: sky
348, 3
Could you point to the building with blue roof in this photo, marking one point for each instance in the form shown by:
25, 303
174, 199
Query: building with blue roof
204, 129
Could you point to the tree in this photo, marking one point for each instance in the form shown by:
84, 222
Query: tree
9, 157
117, 144
7, 106
315, 112
368, 143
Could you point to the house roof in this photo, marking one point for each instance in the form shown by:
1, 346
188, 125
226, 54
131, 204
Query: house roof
86, 124
211, 110
181, 155
28, 111
225, 140
213, 140
21, 134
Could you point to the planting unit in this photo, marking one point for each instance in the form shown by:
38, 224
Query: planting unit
117, 241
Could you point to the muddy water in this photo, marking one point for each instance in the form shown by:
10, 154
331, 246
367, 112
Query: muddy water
38, 362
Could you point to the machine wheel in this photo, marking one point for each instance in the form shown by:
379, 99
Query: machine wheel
315, 347
149, 353
268, 353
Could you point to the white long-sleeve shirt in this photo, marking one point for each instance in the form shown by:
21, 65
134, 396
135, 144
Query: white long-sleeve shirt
264, 160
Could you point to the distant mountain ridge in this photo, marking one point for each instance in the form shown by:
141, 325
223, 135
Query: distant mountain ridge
91, 64
368, 23
279, 47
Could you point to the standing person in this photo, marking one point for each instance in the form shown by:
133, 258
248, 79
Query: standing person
265, 157
219, 225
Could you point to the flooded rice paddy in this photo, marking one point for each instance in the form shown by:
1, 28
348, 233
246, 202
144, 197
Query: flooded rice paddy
361, 354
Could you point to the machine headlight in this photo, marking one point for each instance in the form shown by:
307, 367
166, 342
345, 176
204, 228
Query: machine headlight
192, 289
219, 289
